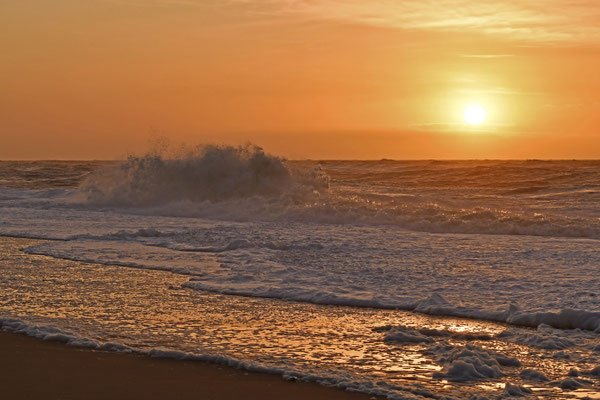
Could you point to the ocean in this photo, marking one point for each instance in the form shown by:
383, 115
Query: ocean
406, 279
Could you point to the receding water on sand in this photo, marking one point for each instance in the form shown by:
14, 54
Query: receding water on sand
389, 352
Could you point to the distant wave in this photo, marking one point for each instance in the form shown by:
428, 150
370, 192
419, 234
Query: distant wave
539, 198
246, 184
299, 204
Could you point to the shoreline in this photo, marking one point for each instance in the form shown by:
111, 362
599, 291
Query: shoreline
36, 369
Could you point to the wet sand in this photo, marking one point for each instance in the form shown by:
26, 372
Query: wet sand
35, 369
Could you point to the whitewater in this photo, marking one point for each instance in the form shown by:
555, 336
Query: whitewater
396, 253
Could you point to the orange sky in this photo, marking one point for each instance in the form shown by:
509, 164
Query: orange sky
302, 78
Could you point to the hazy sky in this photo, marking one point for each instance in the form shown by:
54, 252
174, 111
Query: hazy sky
302, 78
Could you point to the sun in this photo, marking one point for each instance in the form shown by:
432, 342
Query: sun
474, 115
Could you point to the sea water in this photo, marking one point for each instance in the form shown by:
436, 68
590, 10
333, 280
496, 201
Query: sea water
409, 279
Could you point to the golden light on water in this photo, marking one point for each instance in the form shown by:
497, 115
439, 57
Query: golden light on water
474, 115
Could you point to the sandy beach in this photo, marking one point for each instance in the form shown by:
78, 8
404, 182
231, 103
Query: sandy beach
35, 369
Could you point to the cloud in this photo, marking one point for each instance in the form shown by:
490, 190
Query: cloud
541, 21
486, 56
532, 21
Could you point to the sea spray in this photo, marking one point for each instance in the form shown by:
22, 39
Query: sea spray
206, 173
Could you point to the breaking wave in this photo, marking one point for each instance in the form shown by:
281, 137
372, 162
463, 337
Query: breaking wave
243, 183
207, 173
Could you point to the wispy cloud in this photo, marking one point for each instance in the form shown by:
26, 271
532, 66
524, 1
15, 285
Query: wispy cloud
487, 56
533, 20
555, 21
453, 127
499, 91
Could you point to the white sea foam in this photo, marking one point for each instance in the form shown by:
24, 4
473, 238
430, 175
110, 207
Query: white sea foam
545, 338
471, 363
530, 374
52, 334
515, 391
569, 384
365, 266
344, 382
564, 319
406, 334
325, 344
513, 242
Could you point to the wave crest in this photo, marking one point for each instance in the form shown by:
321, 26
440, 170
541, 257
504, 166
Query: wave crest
207, 173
